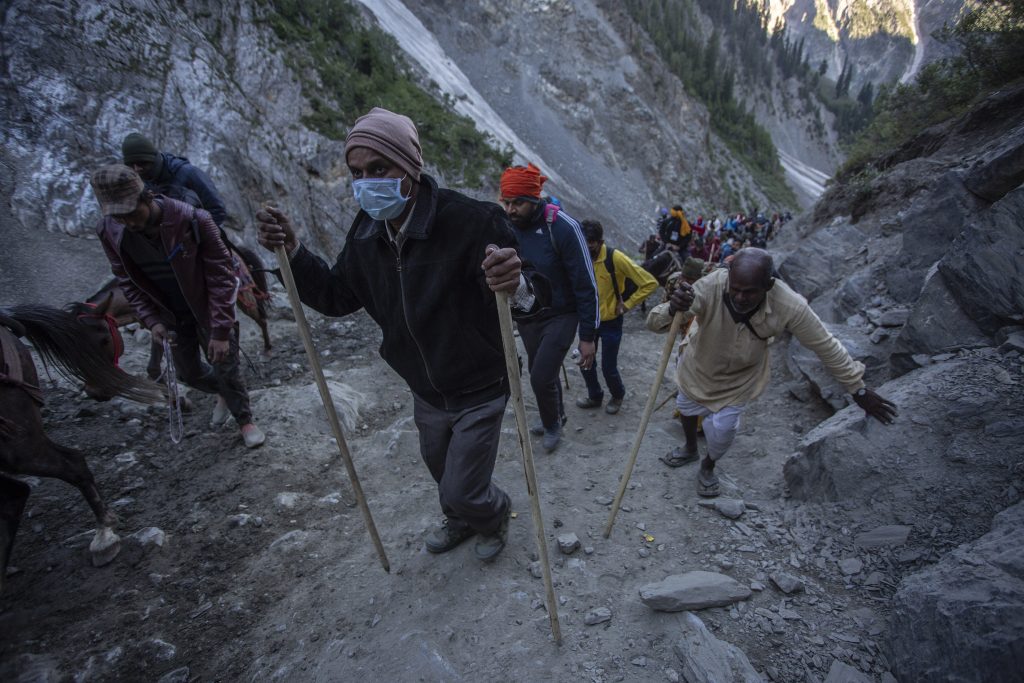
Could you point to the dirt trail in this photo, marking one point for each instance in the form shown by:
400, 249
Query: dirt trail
267, 573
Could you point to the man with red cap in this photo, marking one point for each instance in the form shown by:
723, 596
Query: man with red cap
553, 242
425, 262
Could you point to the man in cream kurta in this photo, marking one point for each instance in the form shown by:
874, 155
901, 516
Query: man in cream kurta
726, 364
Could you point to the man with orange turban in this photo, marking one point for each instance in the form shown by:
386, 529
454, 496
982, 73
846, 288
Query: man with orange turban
553, 243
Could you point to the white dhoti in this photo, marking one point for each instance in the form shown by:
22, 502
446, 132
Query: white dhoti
719, 427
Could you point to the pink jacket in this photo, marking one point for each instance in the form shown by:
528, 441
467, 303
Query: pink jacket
204, 272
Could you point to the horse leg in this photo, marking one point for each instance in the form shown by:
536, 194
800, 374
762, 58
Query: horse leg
68, 464
156, 356
262, 322
13, 496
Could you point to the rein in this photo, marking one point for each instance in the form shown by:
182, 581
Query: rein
175, 429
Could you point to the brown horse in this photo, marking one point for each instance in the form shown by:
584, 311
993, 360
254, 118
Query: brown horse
83, 344
252, 300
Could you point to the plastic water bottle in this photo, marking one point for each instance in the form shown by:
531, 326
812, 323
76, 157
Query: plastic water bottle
575, 355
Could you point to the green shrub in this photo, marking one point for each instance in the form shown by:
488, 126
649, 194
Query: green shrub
349, 68
991, 39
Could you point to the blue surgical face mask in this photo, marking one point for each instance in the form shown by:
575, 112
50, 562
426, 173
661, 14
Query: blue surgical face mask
381, 198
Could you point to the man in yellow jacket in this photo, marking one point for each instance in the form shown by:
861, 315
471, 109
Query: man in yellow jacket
621, 285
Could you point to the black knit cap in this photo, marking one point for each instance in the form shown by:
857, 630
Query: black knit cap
137, 147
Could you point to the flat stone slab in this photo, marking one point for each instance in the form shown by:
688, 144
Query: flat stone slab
844, 673
693, 590
850, 566
732, 508
883, 537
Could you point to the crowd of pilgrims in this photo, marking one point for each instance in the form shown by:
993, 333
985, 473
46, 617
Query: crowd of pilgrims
712, 240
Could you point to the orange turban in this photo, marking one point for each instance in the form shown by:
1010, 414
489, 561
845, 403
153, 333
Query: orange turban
522, 181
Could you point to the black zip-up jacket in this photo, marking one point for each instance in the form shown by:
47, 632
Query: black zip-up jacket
439, 318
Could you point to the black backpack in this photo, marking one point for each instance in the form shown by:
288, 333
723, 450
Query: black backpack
628, 289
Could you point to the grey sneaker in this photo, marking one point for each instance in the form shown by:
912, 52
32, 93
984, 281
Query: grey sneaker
221, 414
552, 437
589, 402
537, 428
613, 406
252, 436
446, 537
488, 547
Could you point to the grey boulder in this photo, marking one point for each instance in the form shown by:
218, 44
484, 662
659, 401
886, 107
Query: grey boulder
962, 619
706, 659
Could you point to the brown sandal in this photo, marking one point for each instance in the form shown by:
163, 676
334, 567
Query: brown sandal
678, 457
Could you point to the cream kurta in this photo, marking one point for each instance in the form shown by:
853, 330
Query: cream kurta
726, 365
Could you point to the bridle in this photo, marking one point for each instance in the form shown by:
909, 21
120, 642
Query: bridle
115, 336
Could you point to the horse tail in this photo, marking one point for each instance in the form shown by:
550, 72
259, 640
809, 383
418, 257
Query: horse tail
64, 342
256, 267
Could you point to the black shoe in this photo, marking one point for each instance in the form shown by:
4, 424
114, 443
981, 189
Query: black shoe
613, 406
446, 537
552, 437
488, 547
679, 457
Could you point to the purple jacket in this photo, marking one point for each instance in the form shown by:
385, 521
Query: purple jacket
204, 272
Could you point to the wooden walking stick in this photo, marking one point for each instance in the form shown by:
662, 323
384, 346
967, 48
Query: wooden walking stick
325, 395
677, 322
667, 399
516, 386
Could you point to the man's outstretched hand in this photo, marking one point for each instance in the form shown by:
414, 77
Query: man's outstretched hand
877, 407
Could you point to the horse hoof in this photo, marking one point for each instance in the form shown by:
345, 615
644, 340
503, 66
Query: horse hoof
104, 547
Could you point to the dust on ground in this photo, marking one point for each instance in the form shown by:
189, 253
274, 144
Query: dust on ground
266, 571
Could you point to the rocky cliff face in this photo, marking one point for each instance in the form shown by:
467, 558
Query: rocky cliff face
210, 81
921, 265
884, 40
204, 80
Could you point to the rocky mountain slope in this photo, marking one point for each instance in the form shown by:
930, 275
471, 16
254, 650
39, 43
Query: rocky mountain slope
919, 267
858, 552
883, 40
212, 82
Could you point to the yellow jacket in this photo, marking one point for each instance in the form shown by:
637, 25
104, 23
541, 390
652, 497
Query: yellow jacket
625, 269
726, 365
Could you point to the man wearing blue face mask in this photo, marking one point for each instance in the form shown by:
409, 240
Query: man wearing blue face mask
425, 262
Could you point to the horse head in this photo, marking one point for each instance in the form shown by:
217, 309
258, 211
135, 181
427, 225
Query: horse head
100, 325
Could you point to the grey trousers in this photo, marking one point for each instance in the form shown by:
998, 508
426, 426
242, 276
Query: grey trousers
224, 378
547, 340
459, 448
